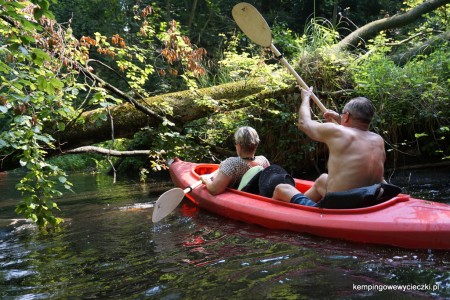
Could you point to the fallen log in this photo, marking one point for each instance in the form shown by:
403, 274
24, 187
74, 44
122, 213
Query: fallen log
180, 107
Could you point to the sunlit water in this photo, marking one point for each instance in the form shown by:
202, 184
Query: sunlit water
109, 248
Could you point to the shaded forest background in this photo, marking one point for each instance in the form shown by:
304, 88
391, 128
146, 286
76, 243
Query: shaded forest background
141, 82
209, 25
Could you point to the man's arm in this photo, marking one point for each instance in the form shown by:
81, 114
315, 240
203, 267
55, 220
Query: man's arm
315, 130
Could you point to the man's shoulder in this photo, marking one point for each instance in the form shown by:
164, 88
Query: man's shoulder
375, 135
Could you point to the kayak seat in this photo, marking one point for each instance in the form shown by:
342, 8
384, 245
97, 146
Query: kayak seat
249, 181
360, 197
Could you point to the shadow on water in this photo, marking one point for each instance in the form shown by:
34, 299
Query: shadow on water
109, 248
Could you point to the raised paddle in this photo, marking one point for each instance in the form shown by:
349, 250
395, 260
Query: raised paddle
253, 24
168, 201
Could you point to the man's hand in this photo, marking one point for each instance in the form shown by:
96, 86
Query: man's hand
331, 115
306, 94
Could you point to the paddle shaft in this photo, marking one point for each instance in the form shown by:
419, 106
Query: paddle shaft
253, 24
192, 186
297, 77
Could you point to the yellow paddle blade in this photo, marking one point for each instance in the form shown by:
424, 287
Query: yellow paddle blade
252, 23
166, 203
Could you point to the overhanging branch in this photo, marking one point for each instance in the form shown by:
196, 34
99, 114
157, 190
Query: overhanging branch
396, 21
104, 151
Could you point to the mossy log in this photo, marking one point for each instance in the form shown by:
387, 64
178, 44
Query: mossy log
184, 107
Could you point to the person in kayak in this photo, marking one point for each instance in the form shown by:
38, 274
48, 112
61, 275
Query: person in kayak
356, 155
232, 169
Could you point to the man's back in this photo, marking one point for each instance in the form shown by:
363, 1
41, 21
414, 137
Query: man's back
356, 159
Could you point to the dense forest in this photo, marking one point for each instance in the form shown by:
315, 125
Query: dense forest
125, 85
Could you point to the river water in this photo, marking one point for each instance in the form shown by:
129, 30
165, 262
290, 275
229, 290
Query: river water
109, 248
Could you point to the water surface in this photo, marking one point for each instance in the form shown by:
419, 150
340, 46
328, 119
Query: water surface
109, 248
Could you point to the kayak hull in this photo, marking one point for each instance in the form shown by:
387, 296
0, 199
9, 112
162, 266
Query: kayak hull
402, 221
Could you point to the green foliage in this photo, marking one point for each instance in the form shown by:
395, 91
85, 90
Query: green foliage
287, 41
413, 96
38, 188
42, 91
34, 96
439, 18
143, 175
80, 162
244, 64
318, 65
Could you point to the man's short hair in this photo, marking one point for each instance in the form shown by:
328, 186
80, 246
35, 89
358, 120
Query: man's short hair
360, 108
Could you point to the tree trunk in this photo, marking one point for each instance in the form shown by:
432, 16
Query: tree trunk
128, 120
373, 28
335, 12
192, 14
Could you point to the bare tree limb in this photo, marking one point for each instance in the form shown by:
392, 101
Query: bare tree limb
104, 151
121, 94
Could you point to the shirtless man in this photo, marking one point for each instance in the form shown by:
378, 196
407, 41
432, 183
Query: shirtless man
356, 155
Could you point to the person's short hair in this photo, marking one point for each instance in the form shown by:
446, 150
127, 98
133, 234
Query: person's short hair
247, 138
360, 108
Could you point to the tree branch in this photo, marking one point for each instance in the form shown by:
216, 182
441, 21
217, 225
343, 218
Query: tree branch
104, 151
426, 48
119, 93
373, 28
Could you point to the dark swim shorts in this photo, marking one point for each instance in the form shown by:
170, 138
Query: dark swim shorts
302, 200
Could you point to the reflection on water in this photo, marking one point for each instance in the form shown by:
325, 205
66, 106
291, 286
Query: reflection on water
431, 184
109, 248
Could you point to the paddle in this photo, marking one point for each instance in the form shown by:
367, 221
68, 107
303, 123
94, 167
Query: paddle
168, 201
253, 24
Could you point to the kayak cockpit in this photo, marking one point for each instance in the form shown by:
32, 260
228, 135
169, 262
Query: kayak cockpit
302, 186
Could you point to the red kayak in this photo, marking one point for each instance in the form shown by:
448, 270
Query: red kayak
402, 221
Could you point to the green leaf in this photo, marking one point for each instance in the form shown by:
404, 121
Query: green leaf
27, 40
43, 138
4, 67
62, 179
61, 126
42, 83
38, 13
419, 135
33, 217
56, 83
40, 56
